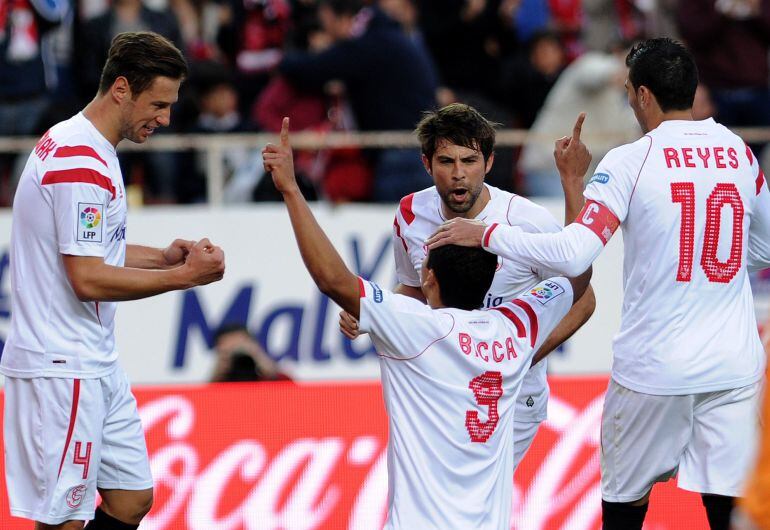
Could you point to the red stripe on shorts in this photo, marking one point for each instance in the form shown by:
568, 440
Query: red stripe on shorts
73, 416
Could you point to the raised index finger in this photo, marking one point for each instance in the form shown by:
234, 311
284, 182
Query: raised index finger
578, 126
285, 132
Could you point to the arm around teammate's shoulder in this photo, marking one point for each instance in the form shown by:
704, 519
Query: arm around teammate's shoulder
93, 280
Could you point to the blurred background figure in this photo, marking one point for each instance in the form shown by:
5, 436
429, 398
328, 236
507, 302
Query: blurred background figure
241, 358
594, 83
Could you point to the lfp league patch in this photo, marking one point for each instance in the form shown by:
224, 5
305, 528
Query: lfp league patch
546, 291
90, 222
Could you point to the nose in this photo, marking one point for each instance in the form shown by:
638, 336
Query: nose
164, 118
458, 171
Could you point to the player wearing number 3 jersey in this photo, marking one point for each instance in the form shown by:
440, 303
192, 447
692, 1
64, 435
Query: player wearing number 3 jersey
695, 212
451, 373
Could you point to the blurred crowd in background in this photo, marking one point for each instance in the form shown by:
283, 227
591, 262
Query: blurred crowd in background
374, 65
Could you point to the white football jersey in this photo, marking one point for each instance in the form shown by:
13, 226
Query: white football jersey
694, 209
450, 380
418, 217
70, 200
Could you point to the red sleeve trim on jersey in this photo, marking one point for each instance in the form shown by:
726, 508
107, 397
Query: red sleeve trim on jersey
73, 416
598, 219
521, 331
82, 175
406, 208
78, 150
398, 233
361, 288
760, 181
487, 235
532, 319
749, 154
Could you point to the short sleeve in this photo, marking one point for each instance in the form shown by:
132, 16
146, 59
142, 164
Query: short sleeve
615, 178
538, 311
80, 197
759, 229
400, 327
405, 271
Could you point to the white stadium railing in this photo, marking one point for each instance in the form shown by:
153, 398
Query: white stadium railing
214, 145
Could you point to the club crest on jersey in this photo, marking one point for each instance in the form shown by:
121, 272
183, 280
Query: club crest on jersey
601, 178
546, 291
377, 293
75, 496
90, 222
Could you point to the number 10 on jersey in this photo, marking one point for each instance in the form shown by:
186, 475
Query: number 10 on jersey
722, 195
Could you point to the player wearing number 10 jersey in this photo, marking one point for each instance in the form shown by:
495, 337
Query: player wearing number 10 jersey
695, 211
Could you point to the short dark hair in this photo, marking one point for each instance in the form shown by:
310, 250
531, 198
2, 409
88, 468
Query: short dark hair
458, 123
464, 274
343, 7
667, 68
140, 57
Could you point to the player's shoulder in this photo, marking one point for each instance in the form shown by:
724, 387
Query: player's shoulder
72, 142
418, 205
639, 148
624, 160
516, 210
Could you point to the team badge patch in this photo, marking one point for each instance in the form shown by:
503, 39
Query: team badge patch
90, 222
601, 178
75, 496
546, 291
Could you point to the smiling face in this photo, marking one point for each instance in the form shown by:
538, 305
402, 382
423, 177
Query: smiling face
458, 173
142, 114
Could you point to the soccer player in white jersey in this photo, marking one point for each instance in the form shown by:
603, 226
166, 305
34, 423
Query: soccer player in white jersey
450, 372
688, 361
458, 151
70, 422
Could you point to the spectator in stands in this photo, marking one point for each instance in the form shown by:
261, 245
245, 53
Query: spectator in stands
23, 97
730, 40
388, 81
241, 358
594, 84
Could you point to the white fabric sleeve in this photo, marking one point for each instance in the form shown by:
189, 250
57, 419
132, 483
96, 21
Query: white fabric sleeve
534, 219
400, 326
759, 229
80, 217
405, 271
539, 310
569, 252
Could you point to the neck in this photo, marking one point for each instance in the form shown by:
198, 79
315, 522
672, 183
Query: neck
481, 203
654, 121
99, 113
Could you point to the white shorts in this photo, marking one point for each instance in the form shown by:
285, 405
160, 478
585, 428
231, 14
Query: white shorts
64, 438
523, 434
709, 439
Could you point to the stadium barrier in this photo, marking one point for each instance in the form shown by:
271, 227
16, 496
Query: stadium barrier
215, 145
280, 456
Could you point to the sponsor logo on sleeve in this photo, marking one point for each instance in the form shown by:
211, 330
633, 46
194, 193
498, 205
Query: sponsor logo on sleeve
546, 291
601, 178
90, 225
377, 293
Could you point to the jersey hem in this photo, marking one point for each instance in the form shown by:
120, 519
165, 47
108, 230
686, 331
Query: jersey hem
46, 519
685, 390
61, 374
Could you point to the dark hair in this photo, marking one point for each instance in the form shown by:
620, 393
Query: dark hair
667, 68
343, 7
140, 57
458, 123
230, 327
464, 274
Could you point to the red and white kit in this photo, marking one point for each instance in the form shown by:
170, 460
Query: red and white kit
695, 211
70, 420
450, 381
418, 217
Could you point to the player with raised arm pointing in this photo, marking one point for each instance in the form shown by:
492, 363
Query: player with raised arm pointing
450, 372
695, 211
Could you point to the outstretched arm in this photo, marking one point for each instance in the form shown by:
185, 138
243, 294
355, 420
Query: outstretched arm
322, 261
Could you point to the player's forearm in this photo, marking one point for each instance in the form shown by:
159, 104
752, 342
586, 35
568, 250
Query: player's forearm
569, 252
141, 257
105, 283
573, 321
573, 197
322, 260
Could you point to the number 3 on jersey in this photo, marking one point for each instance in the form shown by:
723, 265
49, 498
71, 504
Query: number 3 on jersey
487, 388
722, 195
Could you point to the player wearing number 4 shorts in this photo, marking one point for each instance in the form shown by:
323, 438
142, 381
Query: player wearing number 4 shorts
70, 421
457, 151
695, 211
